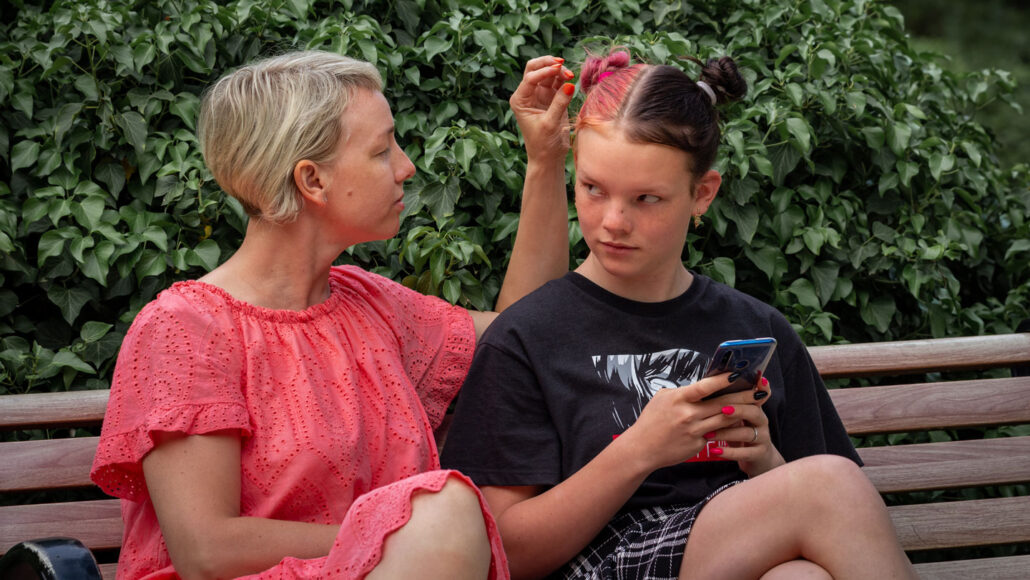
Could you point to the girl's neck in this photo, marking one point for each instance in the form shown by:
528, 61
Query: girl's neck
666, 284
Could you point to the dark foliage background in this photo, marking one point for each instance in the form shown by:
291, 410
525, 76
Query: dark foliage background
862, 196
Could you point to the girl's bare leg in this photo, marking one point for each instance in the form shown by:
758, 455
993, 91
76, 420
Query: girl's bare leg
797, 570
821, 508
445, 538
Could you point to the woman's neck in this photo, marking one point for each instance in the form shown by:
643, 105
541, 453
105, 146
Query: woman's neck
278, 266
658, 286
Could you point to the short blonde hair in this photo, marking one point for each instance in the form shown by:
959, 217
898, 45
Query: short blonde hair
259, 121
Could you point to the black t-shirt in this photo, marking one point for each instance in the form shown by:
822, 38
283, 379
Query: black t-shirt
563, 371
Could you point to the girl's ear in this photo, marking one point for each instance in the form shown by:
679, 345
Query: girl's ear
310, 182
706, 190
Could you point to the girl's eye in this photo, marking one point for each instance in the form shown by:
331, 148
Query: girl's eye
591, 189
649, 198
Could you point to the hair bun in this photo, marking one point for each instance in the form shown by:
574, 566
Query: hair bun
722, 76
596, 66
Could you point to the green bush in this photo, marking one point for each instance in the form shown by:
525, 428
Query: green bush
860, 198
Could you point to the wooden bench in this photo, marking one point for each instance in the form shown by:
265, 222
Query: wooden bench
927, 404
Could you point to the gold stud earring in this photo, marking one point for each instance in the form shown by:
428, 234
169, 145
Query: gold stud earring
697, 220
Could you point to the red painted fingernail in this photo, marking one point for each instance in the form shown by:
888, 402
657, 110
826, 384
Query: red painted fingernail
715, 451
559, 59
569, 74
710, 435
765, 382
568, 88
728, 410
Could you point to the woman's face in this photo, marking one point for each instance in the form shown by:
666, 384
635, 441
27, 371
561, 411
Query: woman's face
635, 202
365, 179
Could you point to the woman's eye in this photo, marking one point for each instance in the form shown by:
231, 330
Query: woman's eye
649, 198
591, 189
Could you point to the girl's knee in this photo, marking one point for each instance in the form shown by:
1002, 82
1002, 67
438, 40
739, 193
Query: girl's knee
456, 502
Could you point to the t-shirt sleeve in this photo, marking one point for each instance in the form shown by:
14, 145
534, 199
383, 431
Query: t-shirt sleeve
436, 340
810, 424
179, 371
503, 433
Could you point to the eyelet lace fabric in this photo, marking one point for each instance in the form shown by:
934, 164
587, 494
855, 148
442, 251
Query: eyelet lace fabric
335, 406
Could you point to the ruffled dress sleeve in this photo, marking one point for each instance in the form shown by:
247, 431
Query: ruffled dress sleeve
179, 370
436, 338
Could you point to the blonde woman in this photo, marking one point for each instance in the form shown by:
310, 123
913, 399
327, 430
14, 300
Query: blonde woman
275, 417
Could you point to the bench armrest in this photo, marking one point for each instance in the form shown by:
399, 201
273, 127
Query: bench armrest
49, 559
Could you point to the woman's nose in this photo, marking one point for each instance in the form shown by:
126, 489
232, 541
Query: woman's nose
407, 169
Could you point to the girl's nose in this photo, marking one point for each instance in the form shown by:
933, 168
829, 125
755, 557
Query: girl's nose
615, 218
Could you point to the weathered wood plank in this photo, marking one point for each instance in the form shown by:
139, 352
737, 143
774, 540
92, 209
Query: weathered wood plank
1006, 568
981, 522
916, 356
45, 410
948, 465
47, 464
923, 406
95, 523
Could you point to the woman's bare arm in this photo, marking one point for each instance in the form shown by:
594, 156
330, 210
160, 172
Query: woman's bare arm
194, 483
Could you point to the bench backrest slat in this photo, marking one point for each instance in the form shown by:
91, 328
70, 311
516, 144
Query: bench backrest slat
95, 523
980, 522
47, 464
45, 410
995, 465
916, 356
925, 406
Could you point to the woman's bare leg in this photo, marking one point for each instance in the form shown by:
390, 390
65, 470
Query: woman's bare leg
822, 509
445, 538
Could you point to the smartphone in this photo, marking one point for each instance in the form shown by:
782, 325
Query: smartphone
746, 357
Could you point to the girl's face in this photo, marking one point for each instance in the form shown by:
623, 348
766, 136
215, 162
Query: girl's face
635, 202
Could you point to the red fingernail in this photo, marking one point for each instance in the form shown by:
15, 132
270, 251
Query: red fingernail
765, 382
728, 410
715, 451
710, 435
559, 59
568, 88
569, 74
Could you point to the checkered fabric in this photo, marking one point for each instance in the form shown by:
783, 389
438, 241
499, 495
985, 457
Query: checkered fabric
645, 544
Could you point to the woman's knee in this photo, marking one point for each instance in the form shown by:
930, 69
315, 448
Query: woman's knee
833, 481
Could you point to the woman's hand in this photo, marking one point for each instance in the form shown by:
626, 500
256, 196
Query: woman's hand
541, 104
750, 443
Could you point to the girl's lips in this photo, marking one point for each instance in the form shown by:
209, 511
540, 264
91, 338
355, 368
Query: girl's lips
617, 248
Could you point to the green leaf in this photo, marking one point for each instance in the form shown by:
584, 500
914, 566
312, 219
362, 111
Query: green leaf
24, 154
208, 253
465, 152
725, 271
940, 163
65, 358
434, 45
134, 128
898, 137
1017, 247
803, 290
69, 300
878, 312
802, 136
824, 275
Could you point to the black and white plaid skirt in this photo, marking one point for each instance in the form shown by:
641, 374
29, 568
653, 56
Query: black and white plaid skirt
638, 545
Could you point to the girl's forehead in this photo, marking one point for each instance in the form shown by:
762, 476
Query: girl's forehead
605, 153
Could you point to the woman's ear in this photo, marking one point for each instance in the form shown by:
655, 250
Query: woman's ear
706, 190
310, 182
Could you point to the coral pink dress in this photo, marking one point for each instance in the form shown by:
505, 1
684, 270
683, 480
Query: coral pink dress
335, 406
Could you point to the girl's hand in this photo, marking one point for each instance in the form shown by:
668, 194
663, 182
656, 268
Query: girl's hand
541, 107
750, 444
674, 425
